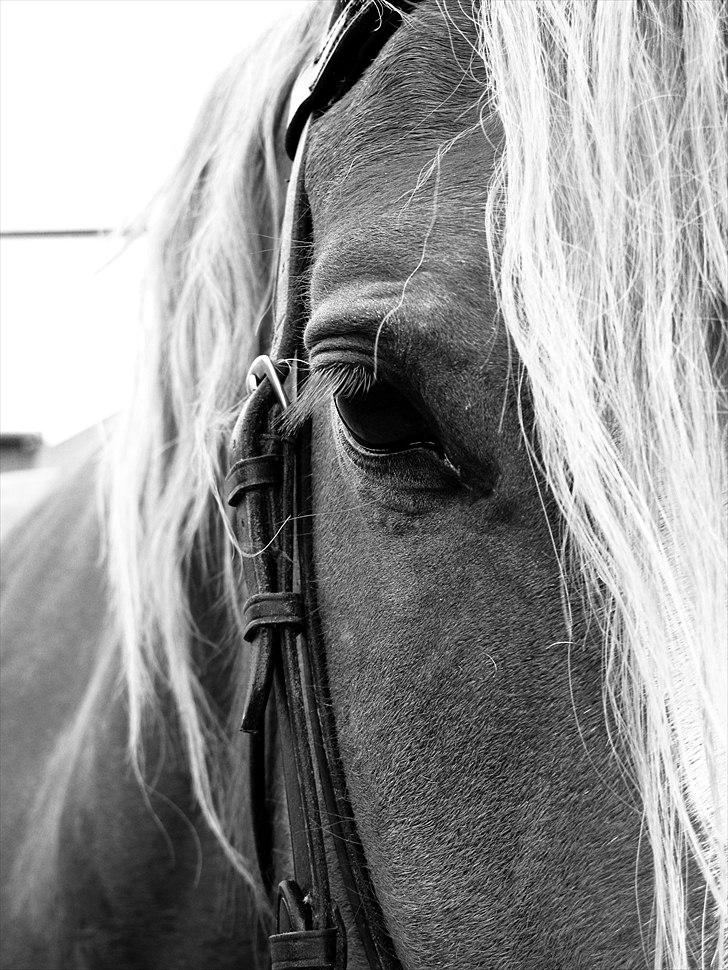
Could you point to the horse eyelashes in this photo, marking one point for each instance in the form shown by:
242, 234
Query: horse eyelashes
375, 413
323, 384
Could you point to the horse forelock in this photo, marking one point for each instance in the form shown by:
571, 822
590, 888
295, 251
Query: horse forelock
607, 222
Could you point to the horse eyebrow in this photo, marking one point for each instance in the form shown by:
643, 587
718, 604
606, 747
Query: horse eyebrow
371, 299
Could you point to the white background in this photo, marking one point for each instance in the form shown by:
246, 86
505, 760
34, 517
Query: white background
97, 100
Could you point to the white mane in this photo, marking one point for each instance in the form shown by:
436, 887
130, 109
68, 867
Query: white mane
608, 233
216, 243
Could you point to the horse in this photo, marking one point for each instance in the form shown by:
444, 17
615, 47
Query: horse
512, 278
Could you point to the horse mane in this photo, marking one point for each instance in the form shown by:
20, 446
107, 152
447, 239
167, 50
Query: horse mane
607, 228
214, 248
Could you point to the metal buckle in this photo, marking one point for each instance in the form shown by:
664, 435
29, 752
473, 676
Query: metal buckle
293, 911
262, 367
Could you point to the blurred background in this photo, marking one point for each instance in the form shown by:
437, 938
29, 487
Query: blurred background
96, 103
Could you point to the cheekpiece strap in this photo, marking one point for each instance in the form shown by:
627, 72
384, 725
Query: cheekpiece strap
273, 609
296, 943
267, 486
254, 490
304, 950
261, 470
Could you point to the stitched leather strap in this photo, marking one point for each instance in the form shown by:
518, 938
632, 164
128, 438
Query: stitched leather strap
251, 473
272, 609
304, 950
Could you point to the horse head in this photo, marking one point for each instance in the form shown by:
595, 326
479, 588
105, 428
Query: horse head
506, 275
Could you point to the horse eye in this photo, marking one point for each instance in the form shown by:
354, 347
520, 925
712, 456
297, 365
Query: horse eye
382, 419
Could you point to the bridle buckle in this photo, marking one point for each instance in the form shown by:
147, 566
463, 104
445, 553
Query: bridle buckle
276, 373
298, 942
293, 910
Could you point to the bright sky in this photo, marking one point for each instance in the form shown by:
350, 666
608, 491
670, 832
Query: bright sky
97, 98
96, 102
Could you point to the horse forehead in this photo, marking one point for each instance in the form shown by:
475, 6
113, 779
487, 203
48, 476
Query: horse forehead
397, 173
394, 145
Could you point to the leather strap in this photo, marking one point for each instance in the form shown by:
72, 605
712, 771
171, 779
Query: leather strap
264, 525
269, 488
272, 609
303, 950
358, 31
251, 473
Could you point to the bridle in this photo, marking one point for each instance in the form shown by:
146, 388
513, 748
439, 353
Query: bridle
269, 487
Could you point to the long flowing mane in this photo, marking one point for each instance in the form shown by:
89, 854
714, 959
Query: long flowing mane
607, 226
214, 254
608, 231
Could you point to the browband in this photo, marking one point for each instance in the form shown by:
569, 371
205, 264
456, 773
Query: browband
358, 30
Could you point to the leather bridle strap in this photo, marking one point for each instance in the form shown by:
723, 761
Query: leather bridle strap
307, 921
269, 486
292, 659
358, 30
